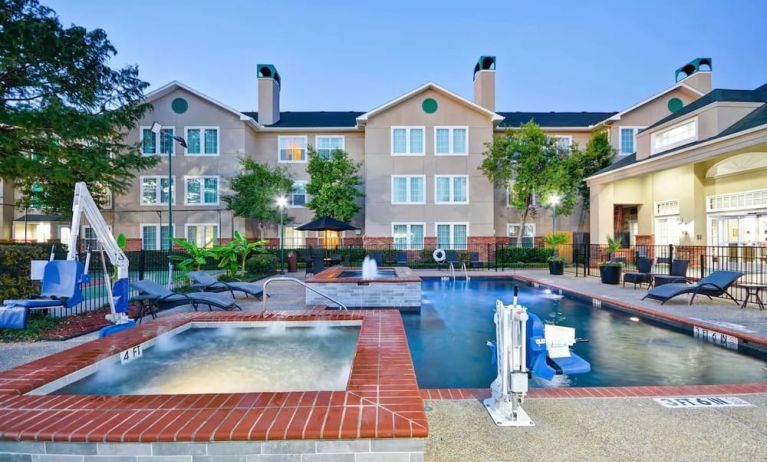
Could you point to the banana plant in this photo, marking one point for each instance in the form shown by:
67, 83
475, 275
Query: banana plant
194, 257
245, 248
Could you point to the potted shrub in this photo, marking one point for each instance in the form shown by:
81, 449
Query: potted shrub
556, 262
610, 271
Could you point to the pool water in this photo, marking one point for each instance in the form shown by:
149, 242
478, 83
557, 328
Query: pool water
448, 342
381, 274
232, 360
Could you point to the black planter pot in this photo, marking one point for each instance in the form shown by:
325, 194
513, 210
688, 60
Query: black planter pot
556, 268
610, 274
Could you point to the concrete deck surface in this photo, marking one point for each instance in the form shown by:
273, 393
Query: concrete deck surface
621, 429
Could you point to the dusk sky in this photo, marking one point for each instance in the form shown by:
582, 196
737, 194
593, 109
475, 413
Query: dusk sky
333, 55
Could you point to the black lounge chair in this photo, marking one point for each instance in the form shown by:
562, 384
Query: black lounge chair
378, 257
208, 283
713, 285
643, 274
401, 258
474, 261
162, 297
318, 265
678, 274
451, 256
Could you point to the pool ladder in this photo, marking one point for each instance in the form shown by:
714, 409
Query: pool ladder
302, 283
463, 267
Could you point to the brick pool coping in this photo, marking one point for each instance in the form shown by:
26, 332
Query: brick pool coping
381, 400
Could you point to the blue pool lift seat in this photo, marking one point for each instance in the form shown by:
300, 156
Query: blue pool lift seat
60, 286
538, 360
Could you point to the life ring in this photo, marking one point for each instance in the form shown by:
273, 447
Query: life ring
439, 255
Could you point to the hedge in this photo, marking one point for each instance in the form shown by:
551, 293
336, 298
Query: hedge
524, 254
15, 267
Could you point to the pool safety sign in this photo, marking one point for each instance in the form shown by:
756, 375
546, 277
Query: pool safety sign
717, 338
130, 354
700, 402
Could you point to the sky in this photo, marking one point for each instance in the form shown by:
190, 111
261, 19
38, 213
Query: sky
355, 55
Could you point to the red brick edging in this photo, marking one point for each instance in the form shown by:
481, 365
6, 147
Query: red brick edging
381, 400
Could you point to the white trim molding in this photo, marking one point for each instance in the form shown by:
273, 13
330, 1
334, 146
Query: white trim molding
408, 190
451, 190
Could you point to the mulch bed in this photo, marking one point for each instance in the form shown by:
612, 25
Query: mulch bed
80, 324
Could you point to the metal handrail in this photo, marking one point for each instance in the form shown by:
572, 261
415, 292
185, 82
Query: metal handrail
307, 286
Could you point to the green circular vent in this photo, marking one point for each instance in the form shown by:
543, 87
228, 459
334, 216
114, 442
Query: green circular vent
179, 105
429, 105
675, 104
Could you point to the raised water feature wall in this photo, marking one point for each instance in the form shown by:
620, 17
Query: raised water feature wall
401, 292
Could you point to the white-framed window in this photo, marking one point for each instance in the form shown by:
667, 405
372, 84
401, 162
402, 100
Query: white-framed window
451, 141
408, 236
325, 145
452, 235
677, 135
88, 236
298, 196
202, 234
291, 149
512, 230
293, 238
408, 189
407, 141
201, 190
451, 189
667, 230
152, 144
627, 137
670, 207
154, 190
562, 141
743, 200
155, 236
201, 141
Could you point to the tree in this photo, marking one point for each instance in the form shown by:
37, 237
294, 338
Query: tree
256, 189
530, 165
597, 155
334, 185
63, 111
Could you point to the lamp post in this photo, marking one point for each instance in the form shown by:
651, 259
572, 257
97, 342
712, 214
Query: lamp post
157, 130
282, 203
553, 202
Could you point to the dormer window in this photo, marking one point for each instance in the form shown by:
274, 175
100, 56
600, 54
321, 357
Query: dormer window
677, 135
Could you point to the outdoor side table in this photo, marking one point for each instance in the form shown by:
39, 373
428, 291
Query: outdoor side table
753, 289
660, 279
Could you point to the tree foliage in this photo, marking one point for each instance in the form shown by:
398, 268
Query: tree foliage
255, 191
533, 166
63, 110
335, 185
597, 155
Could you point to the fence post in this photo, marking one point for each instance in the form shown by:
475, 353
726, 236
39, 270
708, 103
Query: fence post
702, 265
670, 257
141, 263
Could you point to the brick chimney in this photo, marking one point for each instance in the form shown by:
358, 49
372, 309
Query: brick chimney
484, 82
268, 94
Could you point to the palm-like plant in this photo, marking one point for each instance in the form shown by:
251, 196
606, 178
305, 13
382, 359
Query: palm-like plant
195, 256
553, 241
613, 245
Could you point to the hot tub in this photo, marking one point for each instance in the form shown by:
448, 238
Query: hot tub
398, 288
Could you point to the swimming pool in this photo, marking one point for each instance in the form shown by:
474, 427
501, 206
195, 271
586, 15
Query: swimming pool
447, 341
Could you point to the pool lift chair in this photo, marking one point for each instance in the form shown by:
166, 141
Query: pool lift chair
62, 278
525, 347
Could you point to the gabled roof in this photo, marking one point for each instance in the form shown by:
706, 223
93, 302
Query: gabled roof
362, 119
740, 96
313, 119
167, 88
681, 84
553, 119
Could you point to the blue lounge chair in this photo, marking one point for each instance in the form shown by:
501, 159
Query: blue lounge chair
162, 297
208, 283
713, 285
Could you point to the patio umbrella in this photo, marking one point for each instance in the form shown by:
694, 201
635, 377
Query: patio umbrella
326, 224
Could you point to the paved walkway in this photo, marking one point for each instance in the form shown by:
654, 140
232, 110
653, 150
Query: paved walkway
615, 429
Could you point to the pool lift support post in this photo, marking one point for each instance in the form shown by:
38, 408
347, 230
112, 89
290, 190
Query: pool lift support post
522, 340
117, 295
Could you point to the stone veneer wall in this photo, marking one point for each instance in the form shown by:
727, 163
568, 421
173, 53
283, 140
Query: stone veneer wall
362, 450
374, 295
